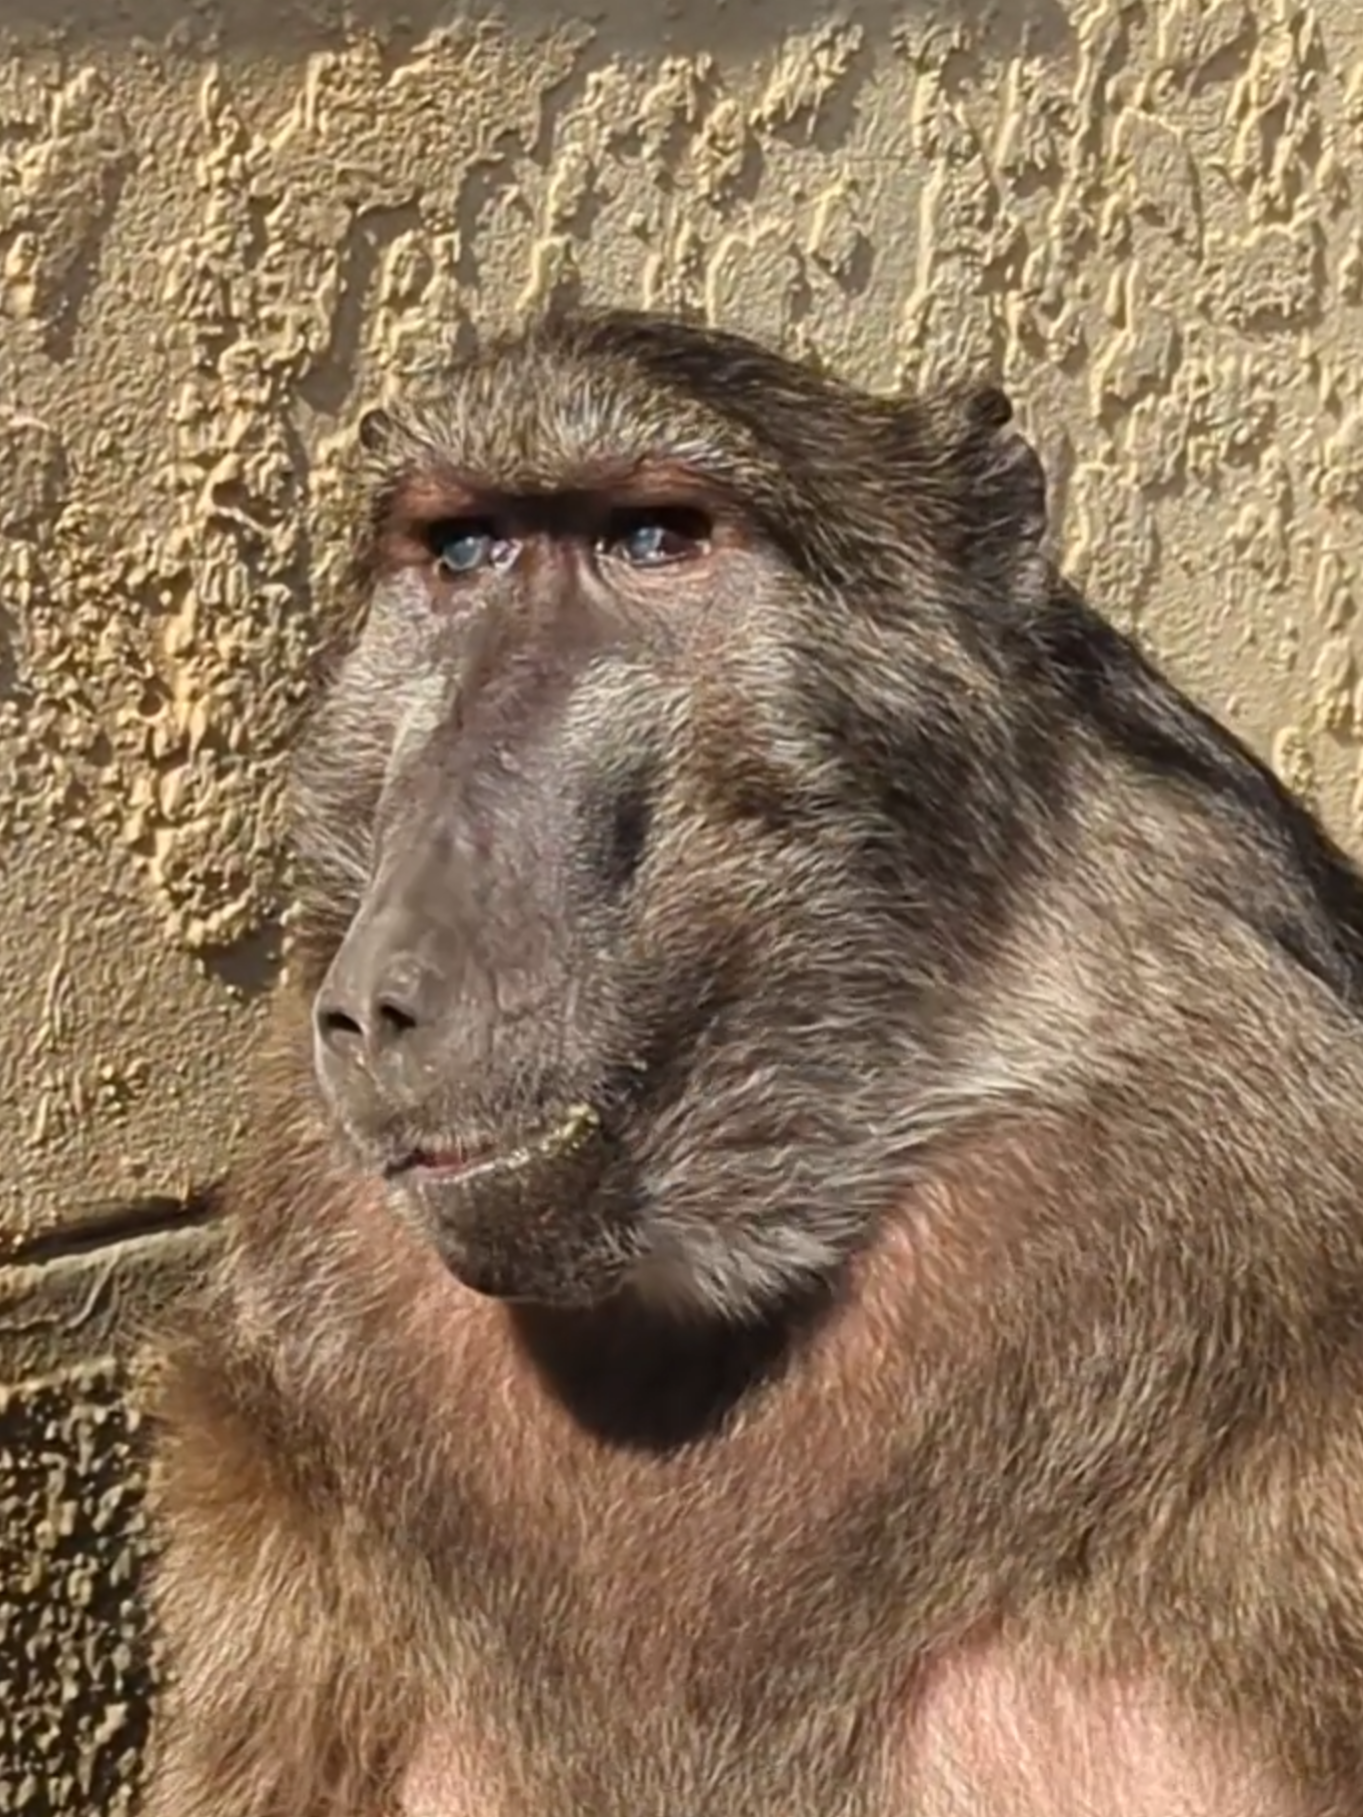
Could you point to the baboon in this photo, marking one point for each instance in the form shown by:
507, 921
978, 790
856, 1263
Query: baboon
802, 1252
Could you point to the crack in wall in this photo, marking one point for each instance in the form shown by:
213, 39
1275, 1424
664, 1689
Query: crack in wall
109, 1227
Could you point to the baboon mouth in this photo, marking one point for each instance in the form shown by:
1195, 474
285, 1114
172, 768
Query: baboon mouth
445, 1165
525, 1220
448, 1162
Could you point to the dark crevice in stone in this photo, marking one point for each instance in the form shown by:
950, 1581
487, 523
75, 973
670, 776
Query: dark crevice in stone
105, 1226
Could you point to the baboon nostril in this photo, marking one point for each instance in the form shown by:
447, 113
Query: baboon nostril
372, 1026
393, 1018
337, 1028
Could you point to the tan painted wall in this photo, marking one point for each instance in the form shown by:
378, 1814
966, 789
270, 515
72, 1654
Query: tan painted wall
223, 224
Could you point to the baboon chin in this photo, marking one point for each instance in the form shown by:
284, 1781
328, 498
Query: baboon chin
802, 1254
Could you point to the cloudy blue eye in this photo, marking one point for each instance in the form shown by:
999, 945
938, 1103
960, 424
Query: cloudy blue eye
462, 548
651, 538
645, 543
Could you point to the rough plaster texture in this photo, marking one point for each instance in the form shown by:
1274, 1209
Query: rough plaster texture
76, 1656
225, 224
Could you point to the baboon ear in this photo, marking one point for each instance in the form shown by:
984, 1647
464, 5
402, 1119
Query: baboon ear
375, 430
1004, 495
988, 407
976, 474
1020, 480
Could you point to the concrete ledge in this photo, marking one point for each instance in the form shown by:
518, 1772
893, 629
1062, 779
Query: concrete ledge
75, 1668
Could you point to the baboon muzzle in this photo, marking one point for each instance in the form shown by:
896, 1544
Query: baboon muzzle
450, 996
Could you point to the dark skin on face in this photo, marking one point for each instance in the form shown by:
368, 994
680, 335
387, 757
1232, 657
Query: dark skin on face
487, 1151
801, 1254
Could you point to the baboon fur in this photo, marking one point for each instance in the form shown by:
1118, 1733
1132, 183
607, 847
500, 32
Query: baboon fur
973, 1265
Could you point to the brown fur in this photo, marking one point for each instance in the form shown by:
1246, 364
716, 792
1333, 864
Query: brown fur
970, 1266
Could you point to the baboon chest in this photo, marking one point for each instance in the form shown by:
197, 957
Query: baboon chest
652, 1667
641, 1631
989, 1738
723, 1629
721, 1655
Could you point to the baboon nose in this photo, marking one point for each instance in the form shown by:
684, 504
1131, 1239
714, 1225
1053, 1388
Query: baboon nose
362, 1021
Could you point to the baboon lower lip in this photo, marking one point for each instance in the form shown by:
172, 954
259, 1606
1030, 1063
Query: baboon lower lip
451, 1161
448, 1162
445, 1164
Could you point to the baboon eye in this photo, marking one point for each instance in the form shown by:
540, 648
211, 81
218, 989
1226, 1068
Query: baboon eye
467, 544
651, 538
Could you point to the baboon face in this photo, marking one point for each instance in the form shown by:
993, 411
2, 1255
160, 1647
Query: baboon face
659, 797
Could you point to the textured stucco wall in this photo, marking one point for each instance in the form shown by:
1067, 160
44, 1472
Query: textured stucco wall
75, 1654
224, 224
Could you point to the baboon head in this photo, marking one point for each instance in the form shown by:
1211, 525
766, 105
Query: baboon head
662, 800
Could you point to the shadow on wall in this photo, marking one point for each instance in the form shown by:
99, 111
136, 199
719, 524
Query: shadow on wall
251, 28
